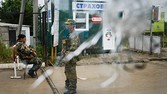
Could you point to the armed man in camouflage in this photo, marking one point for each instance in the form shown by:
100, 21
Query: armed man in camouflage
68, 45
27, 55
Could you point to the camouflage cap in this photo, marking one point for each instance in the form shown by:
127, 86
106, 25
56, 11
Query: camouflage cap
70, 22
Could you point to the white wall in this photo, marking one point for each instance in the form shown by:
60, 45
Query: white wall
142, 43
26, 31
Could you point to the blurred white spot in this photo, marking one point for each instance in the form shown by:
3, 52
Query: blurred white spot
42, 78
110, 80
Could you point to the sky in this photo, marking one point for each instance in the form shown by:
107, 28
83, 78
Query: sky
161, 3
41, 2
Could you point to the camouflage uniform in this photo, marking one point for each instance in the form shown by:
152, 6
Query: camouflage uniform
71, 44
26, 54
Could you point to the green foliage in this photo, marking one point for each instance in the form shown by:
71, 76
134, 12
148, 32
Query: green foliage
10, 11
5, 53
39, 50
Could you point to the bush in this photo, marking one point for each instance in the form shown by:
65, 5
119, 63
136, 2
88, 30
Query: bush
39, 50
5, 53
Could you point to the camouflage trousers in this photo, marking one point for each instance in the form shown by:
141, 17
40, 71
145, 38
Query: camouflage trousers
36, 64
71, 76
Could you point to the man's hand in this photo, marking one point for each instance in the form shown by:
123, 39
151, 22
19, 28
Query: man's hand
35, 54
63, 52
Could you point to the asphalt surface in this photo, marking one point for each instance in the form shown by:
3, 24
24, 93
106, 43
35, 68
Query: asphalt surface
96, 78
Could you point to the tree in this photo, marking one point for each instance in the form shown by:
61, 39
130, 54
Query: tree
10, 12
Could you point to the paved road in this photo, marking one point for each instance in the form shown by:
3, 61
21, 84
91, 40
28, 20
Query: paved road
150, 80
101, 78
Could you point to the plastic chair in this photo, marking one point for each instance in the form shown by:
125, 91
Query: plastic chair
26, 69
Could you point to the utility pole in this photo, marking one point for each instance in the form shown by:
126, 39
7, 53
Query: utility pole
46, 9
151, 22
35, 21
21, 15
45, 29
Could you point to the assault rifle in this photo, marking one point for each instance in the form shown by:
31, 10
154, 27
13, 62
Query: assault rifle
65, 48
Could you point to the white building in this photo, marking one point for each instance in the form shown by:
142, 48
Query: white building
8, 33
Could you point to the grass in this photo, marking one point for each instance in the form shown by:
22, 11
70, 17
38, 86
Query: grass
5, 53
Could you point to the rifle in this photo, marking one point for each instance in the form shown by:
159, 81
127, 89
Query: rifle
65, 48
50, 82
60, 60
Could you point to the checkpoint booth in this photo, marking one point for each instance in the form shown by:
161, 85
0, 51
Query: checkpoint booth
83, 12
88, 15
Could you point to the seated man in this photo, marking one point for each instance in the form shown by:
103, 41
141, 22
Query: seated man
27, 55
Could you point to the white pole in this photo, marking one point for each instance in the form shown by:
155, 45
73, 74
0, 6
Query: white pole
18, 62
151, 22
15, 73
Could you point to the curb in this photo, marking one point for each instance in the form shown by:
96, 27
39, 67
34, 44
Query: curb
20, 65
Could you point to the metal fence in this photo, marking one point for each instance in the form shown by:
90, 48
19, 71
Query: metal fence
143, 43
